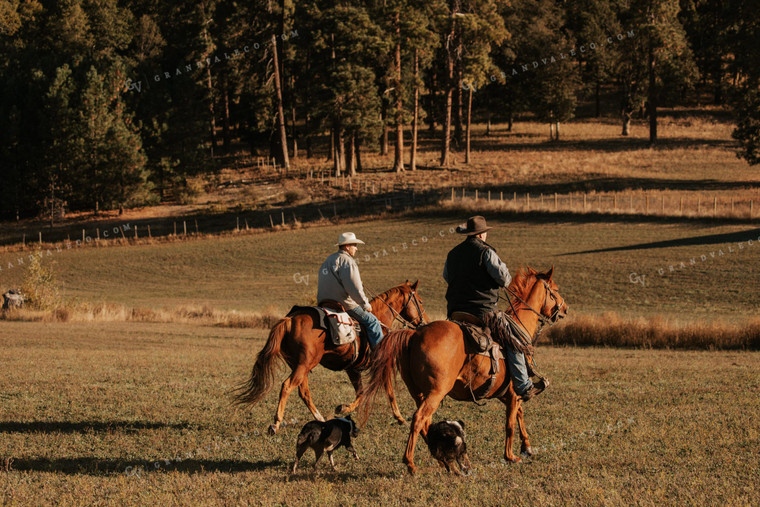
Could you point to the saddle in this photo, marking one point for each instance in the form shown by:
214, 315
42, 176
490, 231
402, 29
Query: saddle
332, 318
479, 340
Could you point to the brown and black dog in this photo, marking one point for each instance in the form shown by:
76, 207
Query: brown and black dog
326, 436
445, 440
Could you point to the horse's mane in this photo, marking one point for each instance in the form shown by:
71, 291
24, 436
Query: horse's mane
523, 281
387, 294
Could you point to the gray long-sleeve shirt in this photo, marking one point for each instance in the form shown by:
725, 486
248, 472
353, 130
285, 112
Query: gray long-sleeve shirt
340, 281
494, 266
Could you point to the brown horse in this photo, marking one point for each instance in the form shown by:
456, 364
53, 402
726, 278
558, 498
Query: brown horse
300, 342
433, 363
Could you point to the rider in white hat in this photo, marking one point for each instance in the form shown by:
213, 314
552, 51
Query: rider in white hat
339, 281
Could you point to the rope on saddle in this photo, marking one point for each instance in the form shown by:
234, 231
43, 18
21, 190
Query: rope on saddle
506, 331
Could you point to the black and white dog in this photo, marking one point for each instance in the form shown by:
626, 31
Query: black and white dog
326, 436
445, 440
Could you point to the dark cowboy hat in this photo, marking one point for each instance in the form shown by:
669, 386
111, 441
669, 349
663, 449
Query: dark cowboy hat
475, 225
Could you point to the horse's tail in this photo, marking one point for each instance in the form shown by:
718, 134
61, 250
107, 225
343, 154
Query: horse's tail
383, 367
262, 375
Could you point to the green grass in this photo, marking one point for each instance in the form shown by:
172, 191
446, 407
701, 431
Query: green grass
269, 270
83, 402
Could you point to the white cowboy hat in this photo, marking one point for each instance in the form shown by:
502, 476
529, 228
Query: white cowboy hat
348, 238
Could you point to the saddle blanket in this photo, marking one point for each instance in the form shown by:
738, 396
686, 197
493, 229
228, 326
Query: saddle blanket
339, 326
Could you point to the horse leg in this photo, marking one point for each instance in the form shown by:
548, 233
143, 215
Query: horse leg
293, 381
420, 424
305, 393
356, 380
511, 402
394, 405
525, 449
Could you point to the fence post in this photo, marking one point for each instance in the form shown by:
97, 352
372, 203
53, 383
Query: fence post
527, 200
83, 236
715, 206
136, 237
555, 201
237, 224
584, 201
501, 196
647, 204
282, 215
750, 208
476, 194
452, 194
175, 228
542, 199
681, 208
40, 233
614, 202
184, 227
489, 196
662, 209
149, 236
271, 222
196, 227
631, 196
699, 205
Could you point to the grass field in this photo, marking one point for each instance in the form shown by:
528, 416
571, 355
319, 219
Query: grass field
107, 413
599, 266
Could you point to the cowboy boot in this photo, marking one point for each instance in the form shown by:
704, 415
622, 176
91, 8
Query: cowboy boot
538, 388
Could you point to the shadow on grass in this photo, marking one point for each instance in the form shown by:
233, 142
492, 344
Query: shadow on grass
708, 239
85, 426
609, 145
109, 466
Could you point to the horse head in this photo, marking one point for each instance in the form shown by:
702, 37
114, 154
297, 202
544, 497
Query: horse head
553, 306
411, 304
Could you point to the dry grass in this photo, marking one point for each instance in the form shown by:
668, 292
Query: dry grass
610, 330
111, 312
135, 413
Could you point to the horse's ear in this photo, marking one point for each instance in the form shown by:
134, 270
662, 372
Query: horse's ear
532, 271
414, 285
550, 273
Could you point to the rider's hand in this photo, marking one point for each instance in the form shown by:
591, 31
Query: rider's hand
367, 308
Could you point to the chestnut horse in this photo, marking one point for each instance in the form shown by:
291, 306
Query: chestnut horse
433, 362
300, 342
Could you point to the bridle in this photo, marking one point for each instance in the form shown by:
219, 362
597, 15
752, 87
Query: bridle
544, 320
397, 315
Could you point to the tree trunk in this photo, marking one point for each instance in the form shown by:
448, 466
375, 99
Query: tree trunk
339, 160
446, 141
226, 132
331, 151
280, 110
469, 118
351, 155
596, 96
652, 97
210, 86
509, 114
398, 162
556, 131
358, 143
384, 134
458, 104
294, 130
626, 123
416, 115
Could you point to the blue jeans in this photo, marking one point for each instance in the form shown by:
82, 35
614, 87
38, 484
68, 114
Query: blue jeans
516, 361
370, 322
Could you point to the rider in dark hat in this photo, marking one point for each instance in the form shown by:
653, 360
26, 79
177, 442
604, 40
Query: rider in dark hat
475, 273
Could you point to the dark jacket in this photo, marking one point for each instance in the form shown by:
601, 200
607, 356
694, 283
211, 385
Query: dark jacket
471, 288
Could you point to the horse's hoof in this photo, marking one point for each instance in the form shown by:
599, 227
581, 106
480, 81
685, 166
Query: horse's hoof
527, 452
514, 459
272, 429
401, 421
411, 469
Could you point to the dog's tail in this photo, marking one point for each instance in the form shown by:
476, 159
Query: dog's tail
383, 367
262, 375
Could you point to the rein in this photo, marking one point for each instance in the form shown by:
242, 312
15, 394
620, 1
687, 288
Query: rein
397, 315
